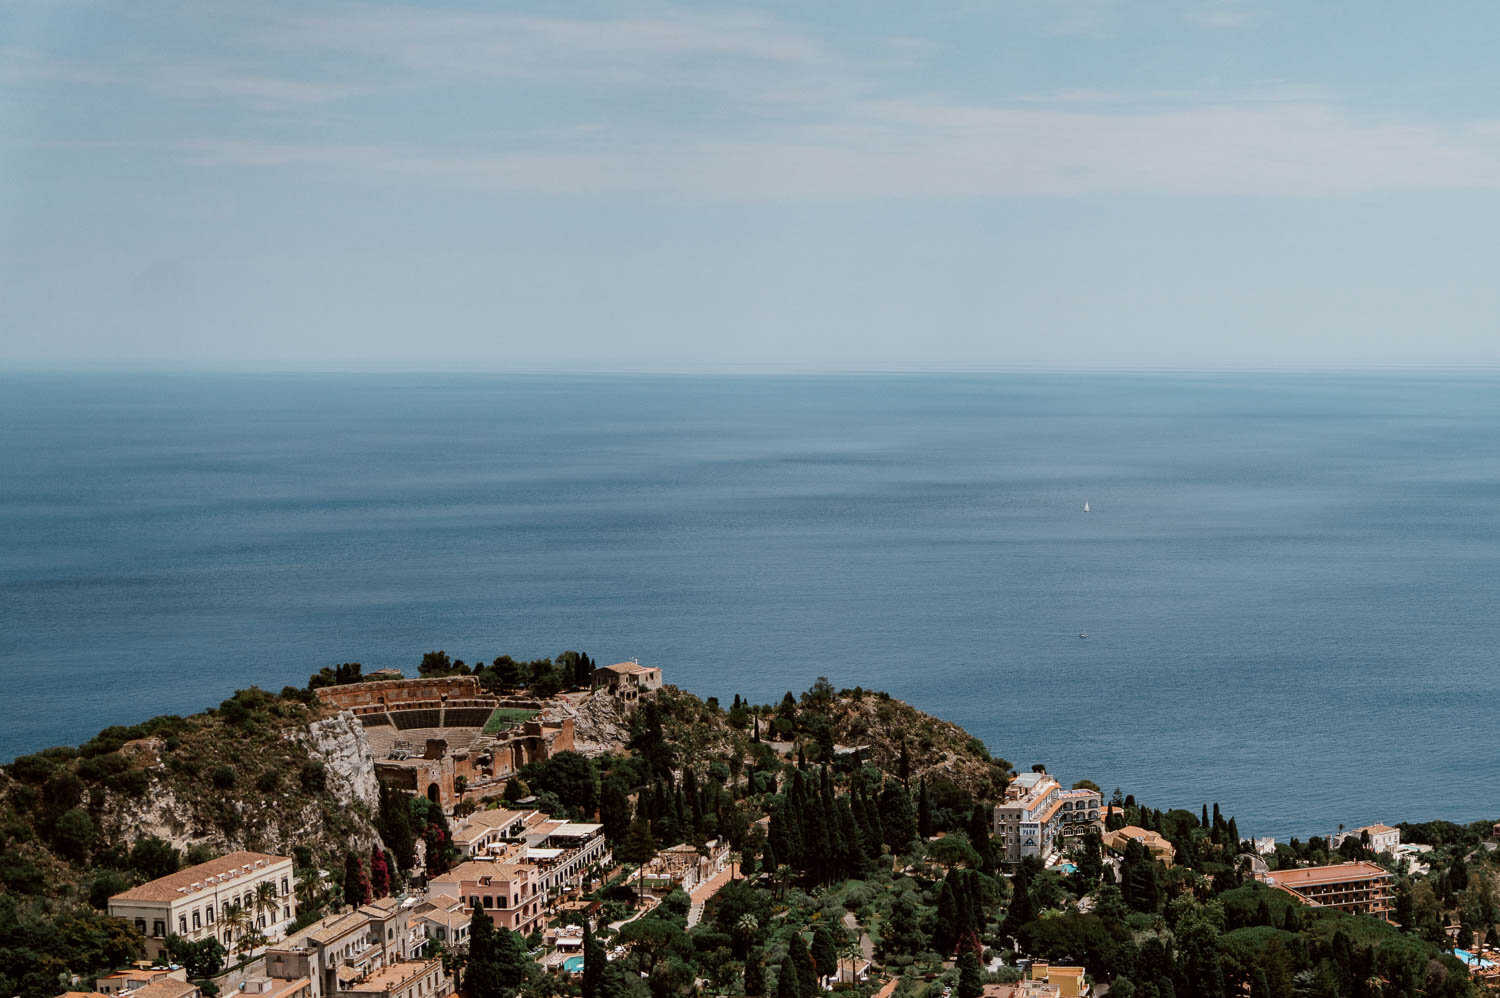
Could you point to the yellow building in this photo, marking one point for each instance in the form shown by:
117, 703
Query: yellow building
1157, 846
1069, 981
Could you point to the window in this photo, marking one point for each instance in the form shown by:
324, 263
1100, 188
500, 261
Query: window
140, 924
210, 912
197, 919
286, 912
284, 889
182, 923
159, 927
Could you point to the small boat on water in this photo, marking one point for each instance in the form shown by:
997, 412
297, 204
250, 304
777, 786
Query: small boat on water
1085, 506
1081, 634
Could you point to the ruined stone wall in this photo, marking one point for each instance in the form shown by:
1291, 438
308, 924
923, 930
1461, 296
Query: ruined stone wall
396, 691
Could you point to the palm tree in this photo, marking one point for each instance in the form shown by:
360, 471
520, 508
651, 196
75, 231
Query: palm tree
267, 900
250, 941
237, 920
745, 930
853, 951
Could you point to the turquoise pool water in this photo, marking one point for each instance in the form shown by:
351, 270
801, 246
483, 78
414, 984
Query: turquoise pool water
1472, 960
573, 965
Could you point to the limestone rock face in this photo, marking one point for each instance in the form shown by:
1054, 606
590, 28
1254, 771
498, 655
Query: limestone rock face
601, 723
341, 745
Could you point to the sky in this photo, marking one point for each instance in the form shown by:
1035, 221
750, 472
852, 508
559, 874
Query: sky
1003, 185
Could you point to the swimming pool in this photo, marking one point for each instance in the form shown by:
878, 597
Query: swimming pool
1473, 961
573, 965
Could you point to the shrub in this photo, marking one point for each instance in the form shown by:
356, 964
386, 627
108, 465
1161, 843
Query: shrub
313, 776
224, 777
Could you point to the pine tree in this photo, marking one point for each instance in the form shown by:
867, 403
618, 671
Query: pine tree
903, 934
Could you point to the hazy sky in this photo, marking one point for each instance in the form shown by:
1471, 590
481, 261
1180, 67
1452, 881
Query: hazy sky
1006, 184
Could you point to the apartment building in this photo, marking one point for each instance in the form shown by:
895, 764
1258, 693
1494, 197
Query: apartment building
1038, 814
1361, 888
339, 949
409, 979
484, 834
131, 978
191, 903
511, 894
563, 851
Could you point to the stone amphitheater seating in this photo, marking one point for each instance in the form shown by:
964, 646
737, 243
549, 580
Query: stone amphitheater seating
375, 720
407, 719
467, 717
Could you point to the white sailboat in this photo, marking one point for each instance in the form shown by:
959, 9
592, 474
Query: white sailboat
1085, 506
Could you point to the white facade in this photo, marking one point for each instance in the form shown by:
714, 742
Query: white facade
1038, 813
192, 903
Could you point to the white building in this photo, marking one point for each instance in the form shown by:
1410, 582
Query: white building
1037, 813
1383, 838
191, 903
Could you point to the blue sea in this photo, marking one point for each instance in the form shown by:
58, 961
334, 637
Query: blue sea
1288, 583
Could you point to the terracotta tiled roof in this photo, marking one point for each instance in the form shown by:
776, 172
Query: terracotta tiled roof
1314, 875
167, 988
176, 885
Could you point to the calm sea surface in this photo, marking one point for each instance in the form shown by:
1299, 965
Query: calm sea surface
1289, 583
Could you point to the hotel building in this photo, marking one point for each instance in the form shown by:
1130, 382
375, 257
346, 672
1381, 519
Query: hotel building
191, 903
1037, 813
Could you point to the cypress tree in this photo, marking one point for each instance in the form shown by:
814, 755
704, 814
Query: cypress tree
511, 959
380, 874
979, 837
946, 928
898, 821
924, 811
481, 972
755, 975
1203, 821
787, 985
1021, 910
593, 963
798, 956
970, 980
824, 954
851, 854
356, 882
